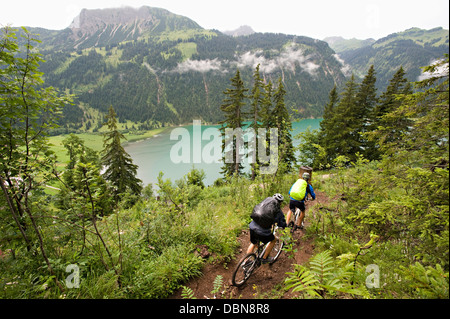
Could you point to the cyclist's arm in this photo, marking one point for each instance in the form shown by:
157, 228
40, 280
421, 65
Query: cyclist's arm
310, 190
280, 220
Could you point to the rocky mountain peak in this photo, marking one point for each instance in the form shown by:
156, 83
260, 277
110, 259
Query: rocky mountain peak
242, 30
108, 26
98, 17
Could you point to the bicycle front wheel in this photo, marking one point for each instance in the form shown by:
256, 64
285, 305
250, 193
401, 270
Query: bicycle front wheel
244, 270
278, 247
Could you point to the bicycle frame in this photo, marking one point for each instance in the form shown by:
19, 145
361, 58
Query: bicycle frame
252, 261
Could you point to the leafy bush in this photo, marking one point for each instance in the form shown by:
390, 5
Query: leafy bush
405, 205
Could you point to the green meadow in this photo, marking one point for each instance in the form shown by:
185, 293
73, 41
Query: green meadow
95, 141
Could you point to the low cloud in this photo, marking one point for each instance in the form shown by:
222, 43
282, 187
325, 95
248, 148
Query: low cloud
287, 59
252, 59
346, 69
201, 66
441, 69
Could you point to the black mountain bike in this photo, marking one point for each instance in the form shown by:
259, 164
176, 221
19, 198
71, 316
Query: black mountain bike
252, 261
295, 216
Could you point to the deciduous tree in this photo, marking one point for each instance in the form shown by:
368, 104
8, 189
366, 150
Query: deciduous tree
28, 110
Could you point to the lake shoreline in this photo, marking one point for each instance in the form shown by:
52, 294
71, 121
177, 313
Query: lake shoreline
150, 133
140, 136
176, 156
162, 163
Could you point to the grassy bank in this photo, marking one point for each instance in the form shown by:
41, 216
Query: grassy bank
152, 248
155, 246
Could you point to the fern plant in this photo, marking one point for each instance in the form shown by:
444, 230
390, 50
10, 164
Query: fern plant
323, 279
187, 293
322, 266
217, 285
303, 280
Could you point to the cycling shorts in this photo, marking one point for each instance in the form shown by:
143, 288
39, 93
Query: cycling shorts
293, 204
255, 238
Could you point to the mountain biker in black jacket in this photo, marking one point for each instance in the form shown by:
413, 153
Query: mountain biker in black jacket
264, 215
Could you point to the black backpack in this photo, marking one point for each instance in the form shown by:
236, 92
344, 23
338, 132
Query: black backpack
264, 213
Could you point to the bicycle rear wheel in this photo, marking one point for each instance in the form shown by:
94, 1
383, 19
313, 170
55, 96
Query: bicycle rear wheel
296, 217
278, 247
244, 270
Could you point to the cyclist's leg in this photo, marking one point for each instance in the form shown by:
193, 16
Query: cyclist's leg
300, 219
278, 246
253, 242
292, 206
302, 215
269, 249
271, 240
288, 216
251, 248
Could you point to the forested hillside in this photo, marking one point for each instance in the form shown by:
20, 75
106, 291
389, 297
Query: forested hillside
409, 49
158, 68
175, 80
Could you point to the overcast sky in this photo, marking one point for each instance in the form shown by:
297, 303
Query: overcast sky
359, 19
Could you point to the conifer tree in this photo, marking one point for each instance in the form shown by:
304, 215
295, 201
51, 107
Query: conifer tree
366, 101
346, 119
428, 110
233, 109
341, 138
266, 118
77, 152
120, 170
327, 126
329, 108
388, 129
388, 102
257, 96
266, 107
283, 123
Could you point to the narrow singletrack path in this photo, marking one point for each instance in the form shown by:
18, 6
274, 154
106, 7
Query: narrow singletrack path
266, 280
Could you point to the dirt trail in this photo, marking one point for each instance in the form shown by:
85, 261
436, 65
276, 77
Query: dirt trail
265, 279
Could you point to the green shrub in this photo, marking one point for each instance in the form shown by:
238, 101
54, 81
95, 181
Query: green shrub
426, 282
159, 277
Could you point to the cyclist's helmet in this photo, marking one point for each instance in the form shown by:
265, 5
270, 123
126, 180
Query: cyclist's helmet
306, 176
278, 197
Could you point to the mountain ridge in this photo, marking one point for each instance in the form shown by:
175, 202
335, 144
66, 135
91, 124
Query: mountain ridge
340, 44
161, 68
412, 49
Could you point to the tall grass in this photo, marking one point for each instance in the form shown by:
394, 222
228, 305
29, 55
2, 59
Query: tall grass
146, 251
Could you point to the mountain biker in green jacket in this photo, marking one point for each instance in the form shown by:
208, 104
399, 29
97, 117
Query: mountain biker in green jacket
264, 215
298, 193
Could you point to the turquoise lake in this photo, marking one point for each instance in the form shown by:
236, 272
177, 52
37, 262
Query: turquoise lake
153, 155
